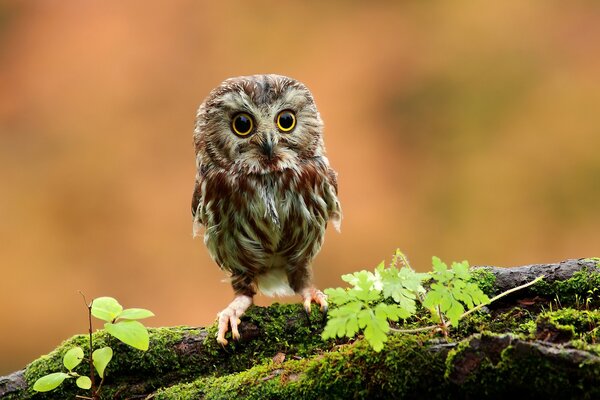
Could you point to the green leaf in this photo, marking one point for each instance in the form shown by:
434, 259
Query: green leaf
101, 358
477, 294
454, 311
438, 265
376, 331
342, 321
336, 327
135, 313
49, 382
132, 333
364, 318
106, 308
351, 327
403, 286
362, 280
352, 278
412, 280
365, 296
73, 357
461, 270
392, 312
337, 296
84, 382
435, 296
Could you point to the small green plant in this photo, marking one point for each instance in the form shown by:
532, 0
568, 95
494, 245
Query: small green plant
395, 292
450, 291
362, 306
120, 323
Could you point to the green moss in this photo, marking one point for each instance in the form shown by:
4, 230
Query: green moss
582, 288
52, 362
535, 375
555, 326
351, 371
279, 328
485, 279
161, 360
594, 259
585, 346
408, 368
569, 323
500, 366
517, 320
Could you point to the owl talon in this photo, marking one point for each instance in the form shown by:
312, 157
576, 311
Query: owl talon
231, 317
314, 295
306, 314
325, 309
235, 333
307, 307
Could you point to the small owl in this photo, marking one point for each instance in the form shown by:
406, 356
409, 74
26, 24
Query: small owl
264, 189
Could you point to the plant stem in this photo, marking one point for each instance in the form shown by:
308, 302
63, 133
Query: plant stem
415, 330
90, 359
480, 306
99, 387
92, 377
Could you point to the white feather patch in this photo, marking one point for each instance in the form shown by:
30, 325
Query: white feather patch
274, 283
197, 228
336, 219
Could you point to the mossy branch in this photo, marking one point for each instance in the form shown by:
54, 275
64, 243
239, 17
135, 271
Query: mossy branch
544, 354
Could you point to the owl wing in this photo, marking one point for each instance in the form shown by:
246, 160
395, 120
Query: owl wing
198, 201
333, 203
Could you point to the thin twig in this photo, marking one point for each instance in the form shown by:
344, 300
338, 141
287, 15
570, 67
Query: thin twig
84, 299
480, 306
415, 330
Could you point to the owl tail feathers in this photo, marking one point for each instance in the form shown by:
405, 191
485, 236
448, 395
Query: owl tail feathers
274, 283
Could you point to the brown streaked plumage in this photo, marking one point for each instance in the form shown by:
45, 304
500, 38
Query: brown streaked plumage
264, 190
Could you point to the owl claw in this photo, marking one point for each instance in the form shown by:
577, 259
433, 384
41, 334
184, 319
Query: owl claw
325, 310
311, 295
231, 317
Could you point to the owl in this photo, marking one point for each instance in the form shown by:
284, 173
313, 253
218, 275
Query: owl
264, 191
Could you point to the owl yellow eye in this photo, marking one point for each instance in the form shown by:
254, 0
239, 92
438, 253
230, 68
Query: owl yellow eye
286, 121
242, 124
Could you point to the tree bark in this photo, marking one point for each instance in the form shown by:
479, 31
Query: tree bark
508, 278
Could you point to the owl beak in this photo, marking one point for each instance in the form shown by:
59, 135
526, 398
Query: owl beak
267, 147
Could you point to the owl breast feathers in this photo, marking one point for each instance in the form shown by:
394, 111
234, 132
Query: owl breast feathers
264, 189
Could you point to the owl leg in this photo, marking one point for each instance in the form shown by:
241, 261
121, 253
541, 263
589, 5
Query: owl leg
244, 292
231, 317
301, 281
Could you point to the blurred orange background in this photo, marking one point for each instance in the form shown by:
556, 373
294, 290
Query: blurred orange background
463, 130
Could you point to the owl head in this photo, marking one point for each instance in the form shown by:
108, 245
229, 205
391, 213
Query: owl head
258, 124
